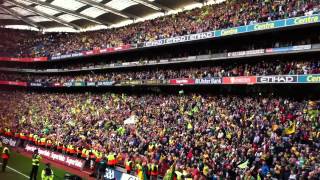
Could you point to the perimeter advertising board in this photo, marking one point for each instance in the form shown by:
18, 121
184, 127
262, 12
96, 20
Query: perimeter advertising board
58, 157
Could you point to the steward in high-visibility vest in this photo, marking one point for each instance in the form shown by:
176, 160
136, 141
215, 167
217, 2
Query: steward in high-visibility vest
111, 159
59, 146
35, 164
72, 151
139, 170
84, 153
128, 166
43, 141
99, 156
31, 137
49, 143
78, 151
68, 149
154, 170
35, 138
148, 169
178, 175
22, 136
7, 132
38, 142
92, 155
17, 135
64, 148
47, 173
5, 158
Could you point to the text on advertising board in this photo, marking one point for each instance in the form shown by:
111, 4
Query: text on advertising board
240, 80
182, 81
277, 79
61, 158
112, 174
209, 81
313, 78
8, 141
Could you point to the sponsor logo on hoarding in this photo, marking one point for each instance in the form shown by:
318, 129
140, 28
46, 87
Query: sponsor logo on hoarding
231, 31
91, 83
79, 83
67, 84
35, 84
179, 39
306, 20
244, 53
264, 26
105, 83
209, 81
240, 80
56, 84
312, 78
277, 79
181, 81
58, 157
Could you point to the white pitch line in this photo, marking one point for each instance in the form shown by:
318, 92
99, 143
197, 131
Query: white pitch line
17, 171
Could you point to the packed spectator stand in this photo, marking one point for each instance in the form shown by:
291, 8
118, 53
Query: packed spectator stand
273, 137
185, 135
224, 69
217, 16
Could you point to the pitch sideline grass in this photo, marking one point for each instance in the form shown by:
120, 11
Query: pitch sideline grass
23, 165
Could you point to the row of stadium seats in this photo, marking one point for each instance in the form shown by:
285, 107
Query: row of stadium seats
224, 69
230, 13
205, 135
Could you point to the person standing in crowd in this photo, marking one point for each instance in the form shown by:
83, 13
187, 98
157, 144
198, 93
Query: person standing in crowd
35, 164
47, 173
5, 158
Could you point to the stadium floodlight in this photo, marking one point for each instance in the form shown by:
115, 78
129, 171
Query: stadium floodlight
53, 18
76, 14
109, 9
153, 5
16, 15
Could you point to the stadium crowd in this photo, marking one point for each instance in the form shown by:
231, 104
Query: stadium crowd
224, 69
230, 13
195, 136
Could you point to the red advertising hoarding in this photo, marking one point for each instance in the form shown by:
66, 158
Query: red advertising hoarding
13, 83
58, 157
182, 81
37, 59
240, 80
